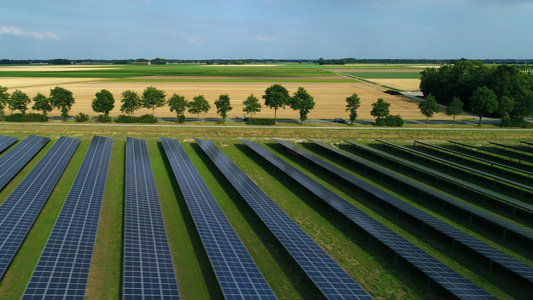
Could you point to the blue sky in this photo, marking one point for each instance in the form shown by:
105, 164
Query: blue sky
204, 29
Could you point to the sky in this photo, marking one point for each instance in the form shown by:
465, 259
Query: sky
282, 29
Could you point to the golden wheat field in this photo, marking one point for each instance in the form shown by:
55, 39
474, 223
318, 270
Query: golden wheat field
329, 96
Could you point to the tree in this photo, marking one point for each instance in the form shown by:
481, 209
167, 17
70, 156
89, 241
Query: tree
223, 106
454, 108
41, 103
276, 96
178, 104
506, 106
199, 105
483, 101
429, 107
153, 98
380, 109
62, 99
302, 101
251, 105
130, 102
103, 102
4, 96
18, 101
158, 61
352, 104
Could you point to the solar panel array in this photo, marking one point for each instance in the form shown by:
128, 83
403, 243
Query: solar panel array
433, 268
514, 150
13, 161
512, 264
236, 272
327, 275
497, 153
20, 210
6, 141
490, 217
63, 268
148, 272
495, 178
479, 189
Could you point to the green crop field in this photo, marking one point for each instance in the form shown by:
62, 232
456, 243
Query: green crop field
367, 262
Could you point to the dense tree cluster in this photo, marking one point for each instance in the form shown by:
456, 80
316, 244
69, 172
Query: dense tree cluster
475, 84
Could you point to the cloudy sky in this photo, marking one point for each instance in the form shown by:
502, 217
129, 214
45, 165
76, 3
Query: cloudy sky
203, 29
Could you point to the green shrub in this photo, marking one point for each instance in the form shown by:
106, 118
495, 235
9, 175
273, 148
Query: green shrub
125, 119
81, 117
104, 119
181, 119
261, 121
146, 119
30, 117
390, 120
515, 122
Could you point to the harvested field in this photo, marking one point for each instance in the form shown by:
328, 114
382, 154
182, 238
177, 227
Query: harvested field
401, 84
329, 97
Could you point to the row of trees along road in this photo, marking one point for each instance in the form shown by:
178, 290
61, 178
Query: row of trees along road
498, 91
60, 98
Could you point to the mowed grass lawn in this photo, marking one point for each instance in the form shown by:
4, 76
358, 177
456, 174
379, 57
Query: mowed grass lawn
370, 265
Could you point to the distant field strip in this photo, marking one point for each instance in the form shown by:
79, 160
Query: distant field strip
386, 75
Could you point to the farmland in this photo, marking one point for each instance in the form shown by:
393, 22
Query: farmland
326, 84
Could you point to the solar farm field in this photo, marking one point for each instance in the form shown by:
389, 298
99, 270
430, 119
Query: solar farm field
478, 238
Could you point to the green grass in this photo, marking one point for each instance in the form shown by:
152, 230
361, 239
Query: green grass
368, 263
386, 75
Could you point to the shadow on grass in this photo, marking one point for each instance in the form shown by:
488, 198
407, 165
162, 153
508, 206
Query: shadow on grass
211, 281
300, 281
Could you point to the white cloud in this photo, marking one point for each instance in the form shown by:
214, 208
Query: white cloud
12, 30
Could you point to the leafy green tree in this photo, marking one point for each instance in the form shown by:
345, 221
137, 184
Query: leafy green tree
380, 109
153, 98
158, 61
429, 107
276, 96
251, 105
223, 106
483, 101
454, 108
130, 102
41, 103
506, 106
103, 102
303, 102
352, 104
178, 104
4, 96
18, 101
199, 105
61, 99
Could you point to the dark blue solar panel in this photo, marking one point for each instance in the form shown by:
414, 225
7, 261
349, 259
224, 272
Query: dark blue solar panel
448, 178
63, 268
327, 275
21, 208
433, 268
13, 161
490, 217
148, 271
6, 141
236, 272
512, 264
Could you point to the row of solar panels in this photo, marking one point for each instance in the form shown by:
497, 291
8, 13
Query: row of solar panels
145, 235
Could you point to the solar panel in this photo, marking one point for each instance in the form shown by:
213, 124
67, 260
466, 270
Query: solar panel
237, 274
445, 177
21, 208
496, 179
148, 272
63, 268
506, 261
514, 150
327, 275
13, 161
479, 159
6, 141
433, 268
482, 214
497, 153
